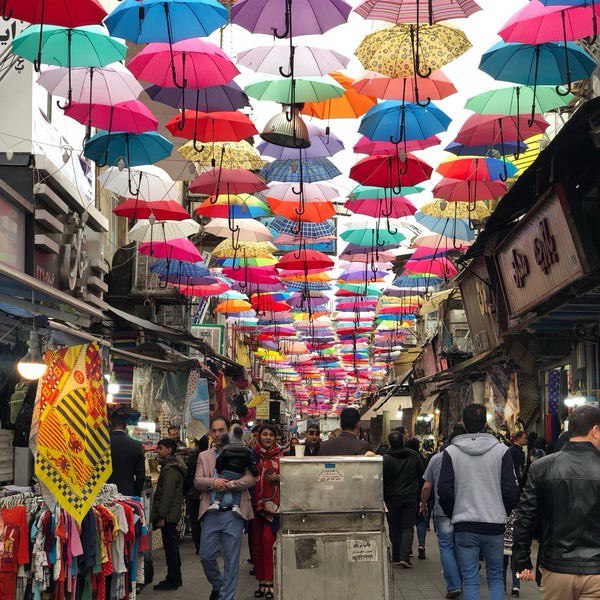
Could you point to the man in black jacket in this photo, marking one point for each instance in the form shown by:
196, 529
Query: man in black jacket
402, 472
348, 442
563, 489
128, 462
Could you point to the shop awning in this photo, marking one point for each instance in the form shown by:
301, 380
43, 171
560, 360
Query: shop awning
459, 368
428, 405
432, 305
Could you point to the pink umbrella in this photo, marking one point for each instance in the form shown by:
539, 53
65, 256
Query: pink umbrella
284, 192
286, 239
440, 267
366, 146
423, 252
196, 64
481, 130
175, 249
231, 181
203, 291
538, 24
457, 190
131, 116
416, 11
385, 256
435, 87
394, 208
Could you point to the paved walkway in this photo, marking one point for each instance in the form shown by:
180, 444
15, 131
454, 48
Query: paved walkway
423, 582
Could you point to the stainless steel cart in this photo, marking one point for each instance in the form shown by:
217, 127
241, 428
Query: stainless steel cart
332, 542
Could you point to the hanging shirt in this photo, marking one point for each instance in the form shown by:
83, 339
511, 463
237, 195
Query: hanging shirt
14, 547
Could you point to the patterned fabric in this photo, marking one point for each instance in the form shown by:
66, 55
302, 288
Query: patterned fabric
197, 398
405, 11
265, 498
313, 169
73, 445
308, 230
235, 155
553, 401
389, 51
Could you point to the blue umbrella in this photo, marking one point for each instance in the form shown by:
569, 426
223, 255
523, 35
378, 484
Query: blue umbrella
165, 20
309, 171
415, 282
313, 286
543, 64
459, 229
395, 121
307, 230
181, 272
462, 150
215, 98
127, 149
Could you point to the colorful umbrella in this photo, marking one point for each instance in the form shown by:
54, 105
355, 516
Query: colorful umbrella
132, 116
459, 229
455, 190
390, 171
476, 169
111, 84
151, 231
203, 291
456, 210
305, 230
246, 249
321, 146
287, 192
368, 192
211, 127
208, 99
161, 210
54, 12
233, 306
366, 146
149, 183
406, 50
369, 234
242, 206
233, 181
190, 63
305, 259
245, 230
127, 149
178, 249
349, 105
315, 211
308, 61
181, 272
292, 91
282, 18
309, 171
486, 149
416, 11
233, 155
395, 207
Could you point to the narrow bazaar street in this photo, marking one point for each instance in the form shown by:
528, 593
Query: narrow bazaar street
423, 582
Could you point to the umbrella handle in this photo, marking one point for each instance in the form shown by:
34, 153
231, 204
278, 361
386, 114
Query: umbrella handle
290, 73
134, 193
594, 22
181, 124
288, 22
423, 104
6, 17
196, 147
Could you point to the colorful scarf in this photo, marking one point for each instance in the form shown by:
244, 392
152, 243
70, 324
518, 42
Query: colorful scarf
70, 430
266, 493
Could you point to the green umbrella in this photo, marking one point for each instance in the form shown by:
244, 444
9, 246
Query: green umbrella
366, 235
88, 46
362, 192
292, 91
356, 288
513, 101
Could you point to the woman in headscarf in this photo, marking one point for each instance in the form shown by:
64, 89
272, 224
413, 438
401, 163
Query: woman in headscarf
265, 503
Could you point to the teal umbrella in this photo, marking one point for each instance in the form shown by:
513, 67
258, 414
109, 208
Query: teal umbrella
369, 234
368, 291
368, 192
88, 46
292, 91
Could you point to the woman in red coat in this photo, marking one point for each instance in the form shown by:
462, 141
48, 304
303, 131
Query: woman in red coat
265, 503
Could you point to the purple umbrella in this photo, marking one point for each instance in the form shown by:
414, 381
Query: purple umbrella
215, 98
361, 274
321, 146
278, 17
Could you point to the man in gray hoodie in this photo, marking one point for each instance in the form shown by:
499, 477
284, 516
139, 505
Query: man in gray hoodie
477, 490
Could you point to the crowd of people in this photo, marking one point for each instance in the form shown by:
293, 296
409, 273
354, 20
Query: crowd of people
487, 501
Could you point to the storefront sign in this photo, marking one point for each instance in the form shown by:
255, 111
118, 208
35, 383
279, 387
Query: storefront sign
541, 256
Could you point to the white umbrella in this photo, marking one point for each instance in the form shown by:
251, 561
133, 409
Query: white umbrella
249, 230
147, 230
313, 192
109, 85
308, 61
152, 182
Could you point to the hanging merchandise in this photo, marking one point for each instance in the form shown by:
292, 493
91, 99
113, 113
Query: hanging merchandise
197, 398
69, 436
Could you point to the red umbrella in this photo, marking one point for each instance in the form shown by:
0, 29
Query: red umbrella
131, 116
211, 127
203, 291
366, 146
163, 210
311, 259
480, 130
305, 211
233, 181
435, 87
264, 302
55, 12
391, 171
177, 249
457, 190
395, 207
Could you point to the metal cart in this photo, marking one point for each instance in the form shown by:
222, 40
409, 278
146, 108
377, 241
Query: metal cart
333, 541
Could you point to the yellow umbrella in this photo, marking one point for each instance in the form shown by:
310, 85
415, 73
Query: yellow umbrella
455, 210
237, 155
311, 277
247, 249
389, 51
406, 300
349, 105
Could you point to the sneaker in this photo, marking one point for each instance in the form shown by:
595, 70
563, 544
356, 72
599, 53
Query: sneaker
421, 551
406, 563
514, 593
236, 511
214, 507
453, 594
165, 585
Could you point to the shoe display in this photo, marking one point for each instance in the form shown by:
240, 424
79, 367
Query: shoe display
421, 551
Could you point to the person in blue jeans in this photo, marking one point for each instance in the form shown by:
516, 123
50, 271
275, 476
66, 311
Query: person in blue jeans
477, 490
442, 525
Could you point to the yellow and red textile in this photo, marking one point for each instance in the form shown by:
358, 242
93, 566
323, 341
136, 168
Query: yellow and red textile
73, 457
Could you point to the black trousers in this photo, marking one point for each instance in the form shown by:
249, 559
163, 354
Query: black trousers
401, 516
171, 548
193, 510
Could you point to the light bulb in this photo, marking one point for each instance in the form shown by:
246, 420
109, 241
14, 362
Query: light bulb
113, 386
10, 153
121, 164
32, 365
399, 414
66, 156
151, 219
250, 423
110, 399
443, 204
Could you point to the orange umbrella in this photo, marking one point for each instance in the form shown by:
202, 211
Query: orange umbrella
307, 211
349, 105
233, 306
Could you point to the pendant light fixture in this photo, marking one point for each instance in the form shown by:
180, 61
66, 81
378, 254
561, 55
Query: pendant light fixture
32, 365
287, 128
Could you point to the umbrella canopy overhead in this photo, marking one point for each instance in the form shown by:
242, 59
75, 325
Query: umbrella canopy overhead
416, 11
